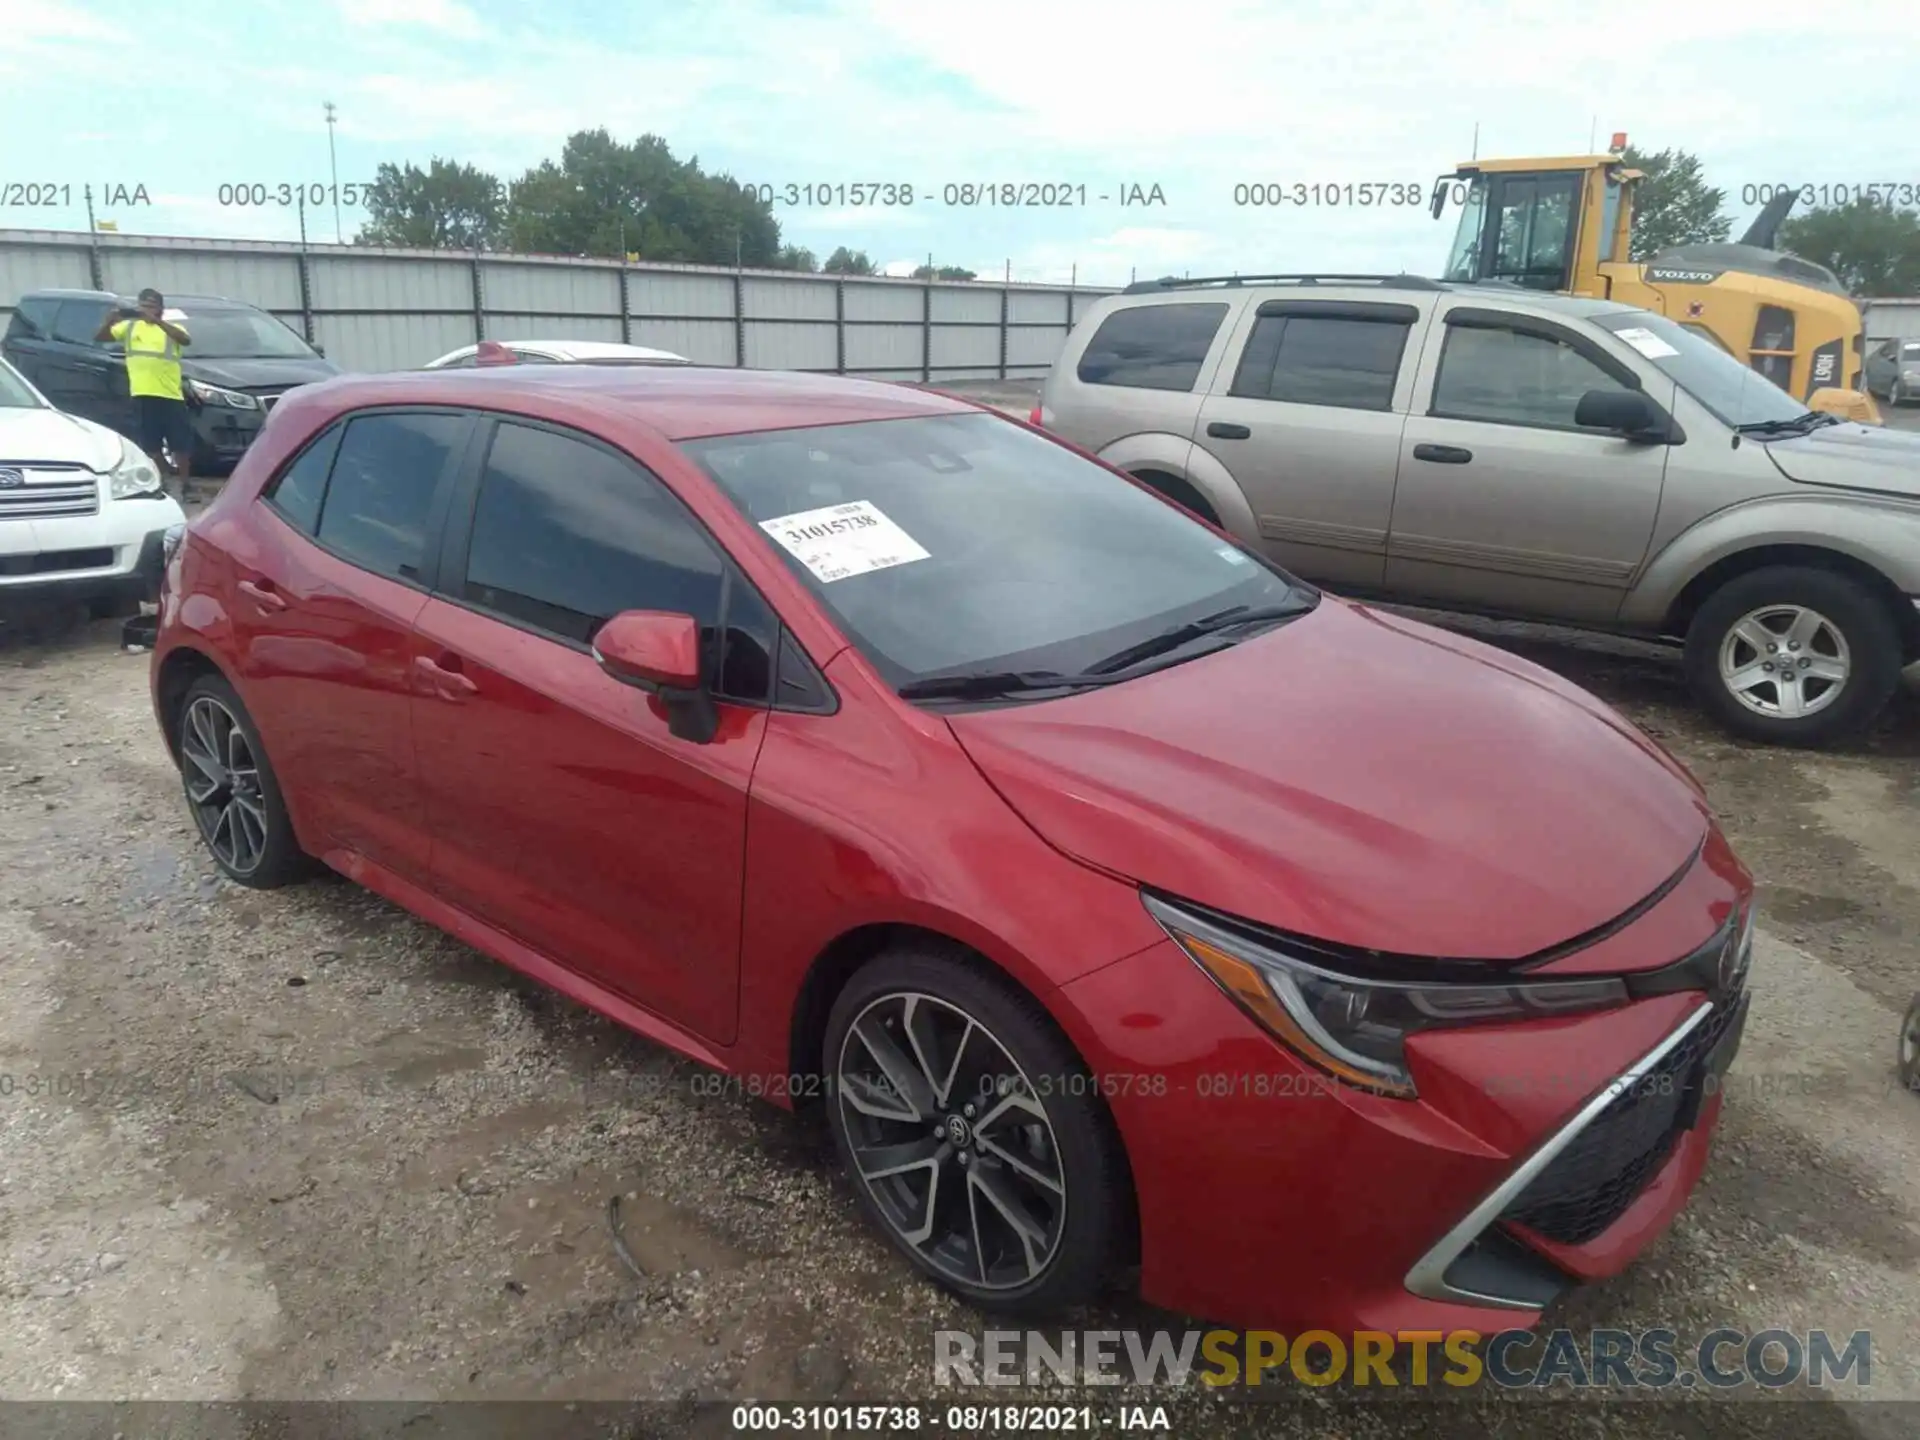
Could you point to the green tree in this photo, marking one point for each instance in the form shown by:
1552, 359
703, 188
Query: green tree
943, 272
606, 198
1870, 244
848, 262
446, 206
797, 257
1674, 205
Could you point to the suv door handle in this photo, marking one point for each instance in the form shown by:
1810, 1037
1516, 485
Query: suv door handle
1222, 430
262, 593
1442, 454
442, 674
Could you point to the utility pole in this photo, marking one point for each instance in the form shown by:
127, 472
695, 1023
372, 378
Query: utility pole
333, 162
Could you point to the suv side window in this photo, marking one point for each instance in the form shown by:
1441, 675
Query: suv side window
1151, 347
77, 320
297, 491
32, 318
1322, 360
1513, 377
567, 533
380, 494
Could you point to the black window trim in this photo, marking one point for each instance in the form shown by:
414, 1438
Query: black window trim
435, 523
457, 534
1377, 312
1473, 317
1489, 245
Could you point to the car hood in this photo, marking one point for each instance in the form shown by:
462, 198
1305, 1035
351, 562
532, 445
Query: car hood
29, 435
1852, 457
1357, 778
258, 374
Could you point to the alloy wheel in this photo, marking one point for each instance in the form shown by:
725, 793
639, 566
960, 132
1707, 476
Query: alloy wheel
1910, 1047
1785, 661
951, 1142
222, 778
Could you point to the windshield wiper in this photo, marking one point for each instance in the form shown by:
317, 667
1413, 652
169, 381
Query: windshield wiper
1179, 635
986, 684
1798, 425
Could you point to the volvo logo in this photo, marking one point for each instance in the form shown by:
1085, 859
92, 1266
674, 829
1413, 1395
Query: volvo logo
11, 477
958, 1132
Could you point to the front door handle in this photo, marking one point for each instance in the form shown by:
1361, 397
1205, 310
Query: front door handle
262, 593
1222, 430
442, 674
1443, 454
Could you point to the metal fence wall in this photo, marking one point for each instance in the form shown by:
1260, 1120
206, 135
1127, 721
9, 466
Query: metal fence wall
381, 309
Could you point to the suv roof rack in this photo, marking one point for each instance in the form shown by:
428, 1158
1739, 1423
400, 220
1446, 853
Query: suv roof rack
1385, 282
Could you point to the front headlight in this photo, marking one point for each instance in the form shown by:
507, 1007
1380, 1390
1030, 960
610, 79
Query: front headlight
134, 475
216, 395
1353, 1027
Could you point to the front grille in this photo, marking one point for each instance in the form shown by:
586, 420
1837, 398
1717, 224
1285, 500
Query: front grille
54, 562
47, 490
1594, 1180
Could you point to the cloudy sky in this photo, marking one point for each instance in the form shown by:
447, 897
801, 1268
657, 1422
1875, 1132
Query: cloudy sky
1192, 96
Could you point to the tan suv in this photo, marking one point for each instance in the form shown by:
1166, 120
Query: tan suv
1493, 449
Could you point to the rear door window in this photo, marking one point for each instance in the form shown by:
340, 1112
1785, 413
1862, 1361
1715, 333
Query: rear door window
1152, 347
297, 491
379, 497
1322, 360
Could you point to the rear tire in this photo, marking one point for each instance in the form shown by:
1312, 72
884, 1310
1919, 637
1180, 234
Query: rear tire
1910, 1047
1181, 492
231, 789
991, 1166
1793, 656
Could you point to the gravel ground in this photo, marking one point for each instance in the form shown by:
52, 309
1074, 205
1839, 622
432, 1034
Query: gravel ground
299, 1146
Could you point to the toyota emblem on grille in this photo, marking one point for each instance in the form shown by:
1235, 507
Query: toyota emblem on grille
1727, 975
11, 477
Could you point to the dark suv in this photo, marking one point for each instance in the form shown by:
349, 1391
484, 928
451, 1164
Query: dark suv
241, 360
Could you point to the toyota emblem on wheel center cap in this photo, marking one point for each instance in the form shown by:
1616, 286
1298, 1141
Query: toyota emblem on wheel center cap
957, 1131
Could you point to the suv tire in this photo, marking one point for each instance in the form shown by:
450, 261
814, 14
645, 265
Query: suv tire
1183, 493
231, 789
964, 1132
1843, 647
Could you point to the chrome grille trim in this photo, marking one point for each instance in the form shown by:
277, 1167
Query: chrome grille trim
53, 490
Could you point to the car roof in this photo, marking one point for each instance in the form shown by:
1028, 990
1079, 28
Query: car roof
1386, 288
682, 402
199, 302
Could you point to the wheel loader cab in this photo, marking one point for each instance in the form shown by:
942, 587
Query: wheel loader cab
1566, 224
1541, 224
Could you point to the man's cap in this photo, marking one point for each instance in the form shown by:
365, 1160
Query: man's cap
153, 295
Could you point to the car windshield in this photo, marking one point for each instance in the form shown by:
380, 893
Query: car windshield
963, 544
1910, 350
15, 394
243, 335
1735, 394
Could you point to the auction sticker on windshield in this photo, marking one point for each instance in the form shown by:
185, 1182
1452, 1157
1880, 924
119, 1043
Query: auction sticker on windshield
1647, 343
837, 541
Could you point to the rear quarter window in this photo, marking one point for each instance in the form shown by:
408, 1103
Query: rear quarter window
1151, 347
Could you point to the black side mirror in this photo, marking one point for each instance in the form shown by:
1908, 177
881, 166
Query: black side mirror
1439, 203
320, 350
1631, 413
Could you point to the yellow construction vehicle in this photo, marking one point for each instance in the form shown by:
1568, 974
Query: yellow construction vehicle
1564, 224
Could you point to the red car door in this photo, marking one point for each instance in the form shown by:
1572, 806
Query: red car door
328, 579
562, 809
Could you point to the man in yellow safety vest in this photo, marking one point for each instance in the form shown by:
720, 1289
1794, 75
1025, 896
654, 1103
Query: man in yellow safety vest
152, 343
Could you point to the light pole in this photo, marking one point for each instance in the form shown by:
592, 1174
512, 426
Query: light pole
333, 162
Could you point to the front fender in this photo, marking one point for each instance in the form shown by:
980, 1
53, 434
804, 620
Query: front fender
1178, 455
1881, 535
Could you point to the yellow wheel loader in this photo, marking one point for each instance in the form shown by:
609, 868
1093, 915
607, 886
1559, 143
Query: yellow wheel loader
1564, 224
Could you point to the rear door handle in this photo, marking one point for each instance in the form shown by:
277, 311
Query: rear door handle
262, 593
442, 673
1222, 430
1442, 454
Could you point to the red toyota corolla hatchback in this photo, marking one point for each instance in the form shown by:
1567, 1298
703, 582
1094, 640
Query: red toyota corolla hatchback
1121, 899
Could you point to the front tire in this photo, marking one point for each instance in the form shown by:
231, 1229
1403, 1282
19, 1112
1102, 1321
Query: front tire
1896, 396
972, 1133
231, 790
1793, 656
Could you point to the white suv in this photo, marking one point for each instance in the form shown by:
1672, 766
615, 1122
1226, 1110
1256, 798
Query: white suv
84, 517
